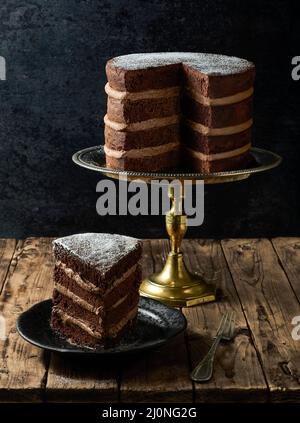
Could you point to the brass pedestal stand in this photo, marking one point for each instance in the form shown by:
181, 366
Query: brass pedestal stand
175, 284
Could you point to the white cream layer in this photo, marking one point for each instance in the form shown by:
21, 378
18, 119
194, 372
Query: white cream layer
219, 156
88, 286
175, 91
137, 153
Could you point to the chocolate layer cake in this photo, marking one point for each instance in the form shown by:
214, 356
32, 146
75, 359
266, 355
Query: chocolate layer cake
167, 108
96, 287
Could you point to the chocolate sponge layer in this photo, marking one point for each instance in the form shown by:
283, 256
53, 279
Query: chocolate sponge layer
76, 335
199, 75
144, 79
171, 75
217, 116
214, 144
96, 290
123, 141
205, 166
150, 163
91, 273
136, 111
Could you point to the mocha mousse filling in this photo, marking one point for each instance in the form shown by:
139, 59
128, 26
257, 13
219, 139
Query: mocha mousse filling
119, 287
205, 166
77, 307
76, 336
110, 331
162, 161
88, 286
76, 302
208, 144
93, 277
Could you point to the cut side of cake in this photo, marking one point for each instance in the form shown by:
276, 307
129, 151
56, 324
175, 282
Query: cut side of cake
96, 287
165, 109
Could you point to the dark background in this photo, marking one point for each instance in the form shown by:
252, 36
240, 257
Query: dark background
53, 103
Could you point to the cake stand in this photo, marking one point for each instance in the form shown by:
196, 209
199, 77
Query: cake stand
175, 285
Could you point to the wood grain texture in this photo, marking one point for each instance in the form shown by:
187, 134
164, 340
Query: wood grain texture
82, 379
161, 375
256, 279
288, 251
7, 249
23, 366
237, 372
269, 304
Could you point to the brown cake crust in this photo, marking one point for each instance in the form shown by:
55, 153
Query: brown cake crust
123, 141
216, 101
214, 144
217, 116
141, 79
146, 164
95, 311
216, 86
79, 337
108, 317
216, 83
130, 284
92, 274
136, 111
203, 166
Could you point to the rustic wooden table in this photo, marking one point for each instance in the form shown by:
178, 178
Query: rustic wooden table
257, 278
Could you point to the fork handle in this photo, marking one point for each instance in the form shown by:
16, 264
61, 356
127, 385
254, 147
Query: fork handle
203, 372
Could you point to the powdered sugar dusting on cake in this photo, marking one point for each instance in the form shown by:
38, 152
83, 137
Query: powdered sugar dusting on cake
99, 250
210, 64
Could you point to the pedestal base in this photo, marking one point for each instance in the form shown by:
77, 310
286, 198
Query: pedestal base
176, 286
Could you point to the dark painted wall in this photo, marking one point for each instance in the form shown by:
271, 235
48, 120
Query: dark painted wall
53, 102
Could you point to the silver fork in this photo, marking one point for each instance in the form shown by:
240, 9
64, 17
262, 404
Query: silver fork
204, 370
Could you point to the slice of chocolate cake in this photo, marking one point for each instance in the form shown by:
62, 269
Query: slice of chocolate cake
96, 287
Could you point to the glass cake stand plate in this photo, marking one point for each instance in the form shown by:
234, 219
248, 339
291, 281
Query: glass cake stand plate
175, 284
93, 158
156, 324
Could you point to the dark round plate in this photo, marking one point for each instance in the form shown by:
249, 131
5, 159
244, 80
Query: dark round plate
156, 324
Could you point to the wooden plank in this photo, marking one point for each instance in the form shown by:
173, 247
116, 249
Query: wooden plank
82, 379
288, 250
163, 375
7, 249
24, 367
237, 372
269, 304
